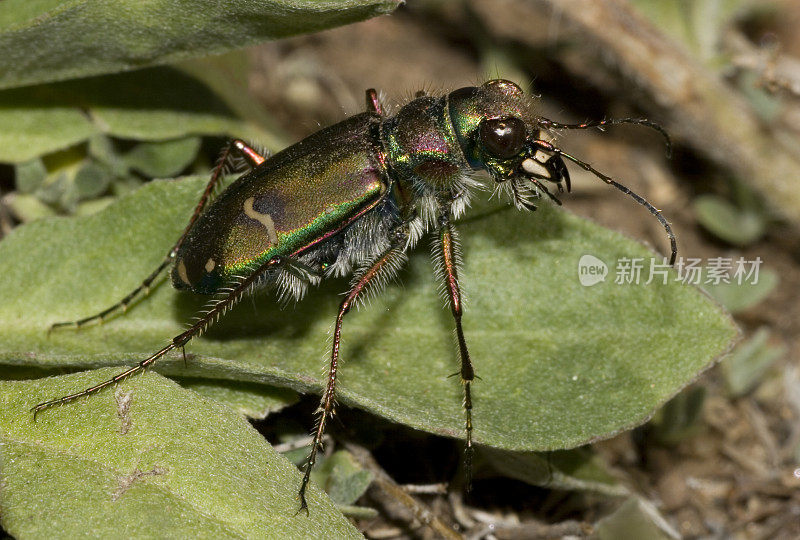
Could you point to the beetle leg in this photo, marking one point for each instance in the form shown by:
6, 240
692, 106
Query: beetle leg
252, 157
250, 154
447, 257
374, 102
384, 265
519, 199
307, 269
200, 326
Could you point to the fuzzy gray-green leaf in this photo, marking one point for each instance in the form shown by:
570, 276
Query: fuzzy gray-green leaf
149, 460
749, 362
576, 469
55, 39
250, 399
162, 159
738, 295
154, 104
737, 226
560, 364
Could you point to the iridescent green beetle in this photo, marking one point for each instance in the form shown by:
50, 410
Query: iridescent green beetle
353, 199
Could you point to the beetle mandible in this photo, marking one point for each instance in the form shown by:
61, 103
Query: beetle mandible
353, 199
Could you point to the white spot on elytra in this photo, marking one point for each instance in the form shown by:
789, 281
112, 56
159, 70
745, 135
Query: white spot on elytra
182, 272
264, 219
210, 264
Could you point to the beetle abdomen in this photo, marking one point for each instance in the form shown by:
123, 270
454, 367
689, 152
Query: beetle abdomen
289, 203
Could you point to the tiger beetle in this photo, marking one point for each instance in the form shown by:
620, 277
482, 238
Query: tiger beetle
352, 200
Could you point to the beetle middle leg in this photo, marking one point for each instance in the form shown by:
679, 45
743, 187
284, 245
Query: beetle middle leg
446, 255
384, 266
237, 146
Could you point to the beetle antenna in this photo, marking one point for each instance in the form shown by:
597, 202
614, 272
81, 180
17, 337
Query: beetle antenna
636, 197
612, 121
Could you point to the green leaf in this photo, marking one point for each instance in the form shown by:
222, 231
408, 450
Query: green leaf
698, 25
93, 206
153, 104
101, 149
635, 518
29, 130
342, 477
737, 297
26, 207
680, 418
149, 458
250, 399
55, 39
228, 76
29, 175
749, 361
163, 159
560, 364
91, 180
736, 226
576, 469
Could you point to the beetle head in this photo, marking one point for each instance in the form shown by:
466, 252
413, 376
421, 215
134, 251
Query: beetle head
499, 132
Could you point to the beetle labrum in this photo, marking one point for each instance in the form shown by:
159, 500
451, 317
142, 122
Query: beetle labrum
353, 199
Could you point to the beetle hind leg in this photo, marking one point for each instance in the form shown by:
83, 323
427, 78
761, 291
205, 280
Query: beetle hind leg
203, 323
143, 288
236, 146
243, 156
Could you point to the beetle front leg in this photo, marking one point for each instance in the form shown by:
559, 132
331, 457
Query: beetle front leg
447, 258
386, 264
251, 156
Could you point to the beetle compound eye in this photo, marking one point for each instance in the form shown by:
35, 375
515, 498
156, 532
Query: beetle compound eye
504, 87
502, 137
